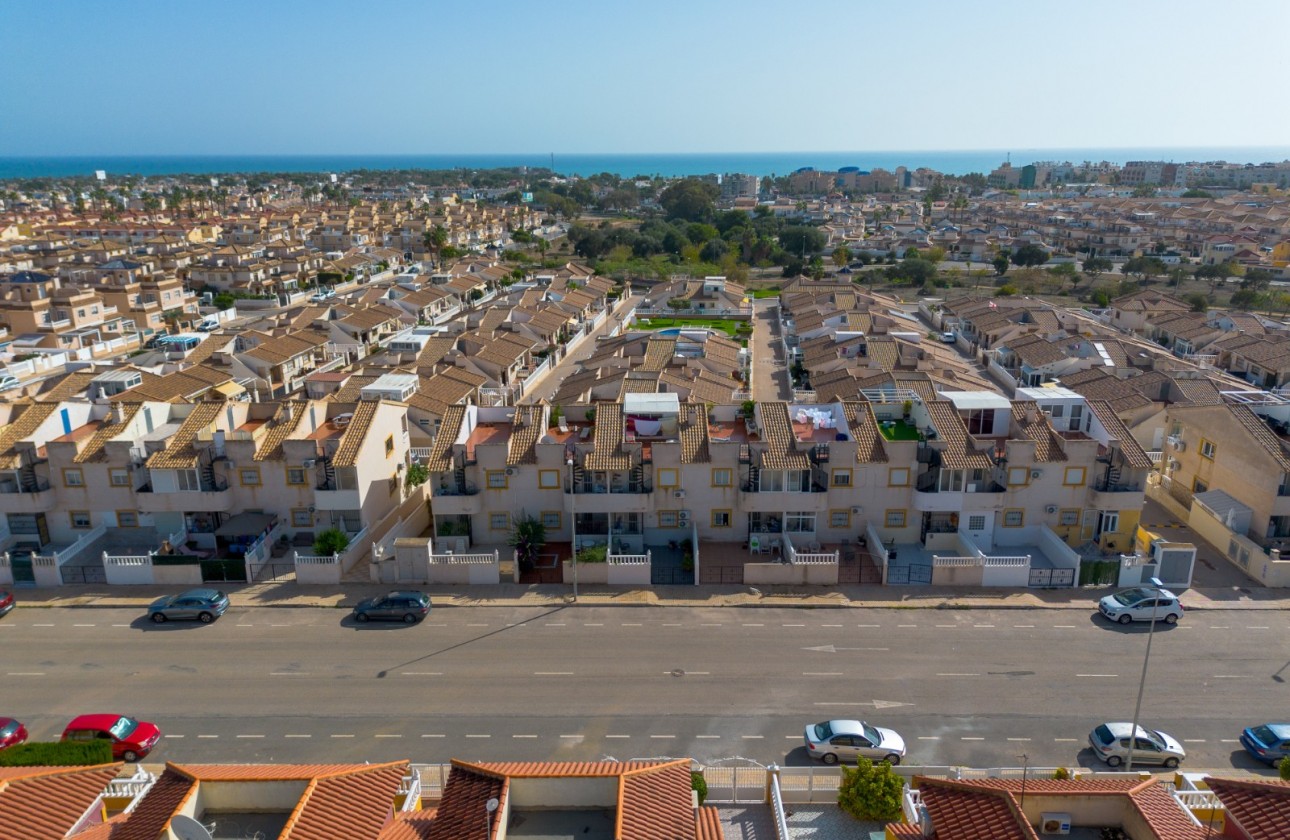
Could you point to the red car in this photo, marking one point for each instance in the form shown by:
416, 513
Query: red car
7, 602
12, 733
131, 739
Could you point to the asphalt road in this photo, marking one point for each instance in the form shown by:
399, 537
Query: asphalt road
971, 687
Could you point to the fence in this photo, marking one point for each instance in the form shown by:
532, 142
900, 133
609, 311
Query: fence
258, 552
876, 548
777, 808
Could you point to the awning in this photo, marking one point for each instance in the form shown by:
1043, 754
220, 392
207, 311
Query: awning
246, 525
229, 389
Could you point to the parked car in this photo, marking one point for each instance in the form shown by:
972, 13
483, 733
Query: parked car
8, 382
12, 733
1269, 743
846, 740
131, 739
7, 602
1110, 742
949, 337
408, 606
204, 605
1140, 603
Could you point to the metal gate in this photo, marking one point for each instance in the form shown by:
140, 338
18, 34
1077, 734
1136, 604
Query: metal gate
223, 571
274, 571
83, 574
665, 575
1052, 577
21, 567
914, 573
721, 574
735, 783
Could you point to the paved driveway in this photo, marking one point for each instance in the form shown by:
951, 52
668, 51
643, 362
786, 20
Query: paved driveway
1213, 570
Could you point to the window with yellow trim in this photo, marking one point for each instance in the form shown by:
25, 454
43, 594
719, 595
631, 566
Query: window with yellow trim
722, 477
1074, 477
895, 519
841, 478
1014, 518
496, 479
249, 477
1069, 517
301, 518
127, 519
839, 519
119, 476
549, 479
73, 478
80, 519
668, 477
389, 446
499, 521
898, 476
295, 475
1018, 476
722, 518
1207, 449
551, 520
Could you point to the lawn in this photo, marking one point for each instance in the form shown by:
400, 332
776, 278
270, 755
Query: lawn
899, 430
729, 327
760, 294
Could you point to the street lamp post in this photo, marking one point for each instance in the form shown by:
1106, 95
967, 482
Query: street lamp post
573, 524
1142, 683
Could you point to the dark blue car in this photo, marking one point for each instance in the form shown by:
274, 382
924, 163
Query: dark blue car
1268, 743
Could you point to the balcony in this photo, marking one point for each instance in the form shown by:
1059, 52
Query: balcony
627, 497
15, 500
217, 499
327, 497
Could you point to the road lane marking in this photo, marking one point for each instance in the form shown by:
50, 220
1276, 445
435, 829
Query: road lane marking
1110, 676
868, 625
121, 625
662, 736
821, 673
929, 737
1228, 740
672, 624
288, 673
1193, 740
1024, 626
249, 736
297, 736
632, 624
279, 625
1219, 627
982, 625
25, 674
618, 736
342, 736
966, 738
1018, 739
479, 736
85, 625
554, 624
718, 737
709, 625
900, 626
1257, 627
553, 673
945, 625
523, 736
590, 624
958, 675
476, 625
434, 736
436, 625
43, 625
174, 736
392, 735
423, 673
207, 736
1227, 677
246, 625
792, 625
754, 625
1064, 626
752, 737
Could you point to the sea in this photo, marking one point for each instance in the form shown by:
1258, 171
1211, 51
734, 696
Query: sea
624, 165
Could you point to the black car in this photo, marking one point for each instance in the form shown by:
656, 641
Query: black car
408, 606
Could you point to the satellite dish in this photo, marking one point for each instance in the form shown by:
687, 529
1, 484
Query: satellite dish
187, 828
491, 805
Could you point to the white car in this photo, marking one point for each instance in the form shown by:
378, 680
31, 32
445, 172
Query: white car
1140, 603
1110, 742
846, 740
949, 337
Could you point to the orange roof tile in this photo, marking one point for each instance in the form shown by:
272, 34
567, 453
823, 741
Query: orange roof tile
355, 804
1261, 808
45, 803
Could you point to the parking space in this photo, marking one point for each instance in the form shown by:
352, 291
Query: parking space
1213, 570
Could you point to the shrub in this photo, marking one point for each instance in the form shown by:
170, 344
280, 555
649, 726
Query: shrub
417, 475
329, 542
1006, 290
871, 792
1285, 769
594, 554
699, 785
1061, 774
58, 754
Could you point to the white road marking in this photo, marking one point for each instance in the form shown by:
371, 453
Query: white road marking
900, 626
85, 625
821, 673
966, 738
696, 673
754, 625
1193, 740
423, 673
25, 674
523, 736
752, 737
945, 625
288, 673
1024, 626
1018, 739
718, 737
631, 624
476, 625
1064, 626
297, 736
618, 736
1257, 627
246, 625
1228, 740
709, 625
1219, 627
554, 624
662, 736
250, 736
1227, 677
207, 736
279, 625
436, 625
589, 624
868, 625
43, 625
958, 675
1109, 676
982, 625
384, 735
672, 624
1067, 740
929, 737
479, 736
120, 625
830, 625
342, 736
174, 736
792, 625
434, 736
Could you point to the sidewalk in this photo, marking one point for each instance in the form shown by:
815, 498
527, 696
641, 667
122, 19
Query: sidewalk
553, 595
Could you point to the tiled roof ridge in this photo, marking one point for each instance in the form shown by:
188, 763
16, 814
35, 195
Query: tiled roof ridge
1256, 785
300, 812
355, 432
655, 768
40, 772
106, 432
202, 415
1003, 795
31, 417
479, 768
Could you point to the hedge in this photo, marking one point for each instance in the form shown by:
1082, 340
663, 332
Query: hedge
57, 754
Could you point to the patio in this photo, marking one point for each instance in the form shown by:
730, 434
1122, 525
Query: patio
911, 563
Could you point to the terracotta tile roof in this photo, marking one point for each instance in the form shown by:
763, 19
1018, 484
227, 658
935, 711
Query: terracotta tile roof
180, 386
607, 440
708, 824
27, 422
1132, 452
525, 431
722, 349
436, 393
68, 386
468, 788
703, 388
435, 349
1200, 391
355, 433
1035, 351
284, 421
968, 812
1261, 808
658, 353
45, 803
441, 453
864, 430
352, 390
180, 454
958, 453
1264, 436
655, 804
1048, 446
694, 434
781, 443
410, 825
355, 804
93, 449
151, 816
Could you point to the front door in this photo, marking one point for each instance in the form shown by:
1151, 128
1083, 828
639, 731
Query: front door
42, 529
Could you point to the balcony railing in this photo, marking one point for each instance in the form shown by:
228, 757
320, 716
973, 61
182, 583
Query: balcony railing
466, 489
40, 485
1107, 487
622, 487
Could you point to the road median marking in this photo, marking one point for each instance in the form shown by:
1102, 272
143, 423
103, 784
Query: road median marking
297, 736
523, 736
618, 736
1107, 676
957, 675
25, 674
388, 735
342, 736
249, 736
716, 737
971, 738
661, 737
553, 673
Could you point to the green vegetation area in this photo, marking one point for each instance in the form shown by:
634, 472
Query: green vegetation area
899, 430
730, 328
58, 754
761, 294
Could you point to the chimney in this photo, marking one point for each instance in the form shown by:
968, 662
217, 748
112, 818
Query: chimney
286, 411
1031, 415
117, 413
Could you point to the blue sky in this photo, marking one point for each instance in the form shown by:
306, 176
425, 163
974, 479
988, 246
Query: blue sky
401, 76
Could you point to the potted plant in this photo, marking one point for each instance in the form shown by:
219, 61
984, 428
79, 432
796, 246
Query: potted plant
748, 408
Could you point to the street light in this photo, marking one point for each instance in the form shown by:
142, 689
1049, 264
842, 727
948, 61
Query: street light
1142, 683
573, 524
489, 808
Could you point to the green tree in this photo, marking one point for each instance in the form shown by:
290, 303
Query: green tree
528, 536
1245, 299
1065, 273
1195, 193
871, 792
1284, 769
435, 240
1029, 255
1199, 303
1144, 191
841, 256
801, 240
1144, 268
1257, 279
1001, 263
329, 542
689, 199
1006, 290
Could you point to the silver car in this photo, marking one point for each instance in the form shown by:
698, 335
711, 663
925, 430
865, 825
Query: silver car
846, 740
1110, 742
1139, 603
204, 605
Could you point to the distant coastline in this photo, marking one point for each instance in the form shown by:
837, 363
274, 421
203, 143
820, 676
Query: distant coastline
624, 165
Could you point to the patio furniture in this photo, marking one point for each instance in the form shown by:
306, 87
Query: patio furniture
754, 545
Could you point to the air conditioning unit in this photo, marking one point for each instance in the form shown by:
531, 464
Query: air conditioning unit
309, 463
684, 518
1050, 823
1036, 473
1180, 446
678, 494
1050, 509
510, 471
857, 510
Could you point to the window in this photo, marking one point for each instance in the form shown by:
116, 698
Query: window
249, 477
389, 446
1074, 477
667, 478
1069, 517
721, 519
976, 522
499, 521
119, 477
80, 519
73, 478
898, 476
301, 518
841, 478
1018, 476
1207, 449
127, 519
1014, 518
839, 519
187, 480
802, 522
1198, 486
551, 520
667, 519
1110, 522
497, 479
721, 478
895, 519
549, 479
295, 475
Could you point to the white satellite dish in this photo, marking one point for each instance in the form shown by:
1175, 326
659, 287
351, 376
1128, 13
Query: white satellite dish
187, 828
